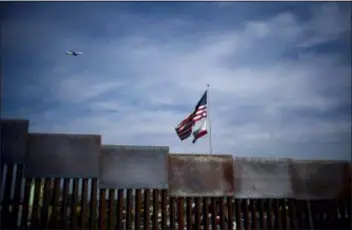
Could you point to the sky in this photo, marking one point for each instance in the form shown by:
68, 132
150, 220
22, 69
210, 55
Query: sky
279, 73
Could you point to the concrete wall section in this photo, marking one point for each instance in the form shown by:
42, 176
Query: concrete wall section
13, 140
262, 178
134, 167
63, 156
319, 179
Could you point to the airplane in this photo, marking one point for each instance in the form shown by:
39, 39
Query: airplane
73, 53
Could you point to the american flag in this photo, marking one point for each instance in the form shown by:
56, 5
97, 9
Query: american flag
184, 129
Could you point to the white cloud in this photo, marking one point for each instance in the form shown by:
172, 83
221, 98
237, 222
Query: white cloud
133, 86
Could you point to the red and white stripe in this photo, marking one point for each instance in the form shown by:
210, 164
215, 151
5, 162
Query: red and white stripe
200, 113
184, 129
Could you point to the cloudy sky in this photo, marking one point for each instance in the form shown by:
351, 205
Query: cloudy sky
280, 73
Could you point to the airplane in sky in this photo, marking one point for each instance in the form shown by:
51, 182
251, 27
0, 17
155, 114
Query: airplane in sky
73, 53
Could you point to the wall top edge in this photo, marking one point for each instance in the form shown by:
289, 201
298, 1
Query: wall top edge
14, 120
64, 134
135, 146
200, 154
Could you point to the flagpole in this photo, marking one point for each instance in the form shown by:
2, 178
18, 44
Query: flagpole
208, 115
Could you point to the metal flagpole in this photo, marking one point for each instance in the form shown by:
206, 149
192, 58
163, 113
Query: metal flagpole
208, 115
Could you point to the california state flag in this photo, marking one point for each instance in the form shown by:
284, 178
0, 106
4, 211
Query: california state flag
202, 131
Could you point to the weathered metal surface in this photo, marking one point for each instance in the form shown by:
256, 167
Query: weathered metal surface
200, 175
318, 179
134, 167
13, 140
262, 178
63, 155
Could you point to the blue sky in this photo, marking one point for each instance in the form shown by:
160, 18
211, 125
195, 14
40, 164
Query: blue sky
280, 73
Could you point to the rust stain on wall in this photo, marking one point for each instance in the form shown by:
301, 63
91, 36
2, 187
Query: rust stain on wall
200, 175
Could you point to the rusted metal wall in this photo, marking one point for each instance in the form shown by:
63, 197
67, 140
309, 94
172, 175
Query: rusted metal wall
61, 205
318, 179
134, 167
62, 155
205, 192
262, 178
200, 175
13, 140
